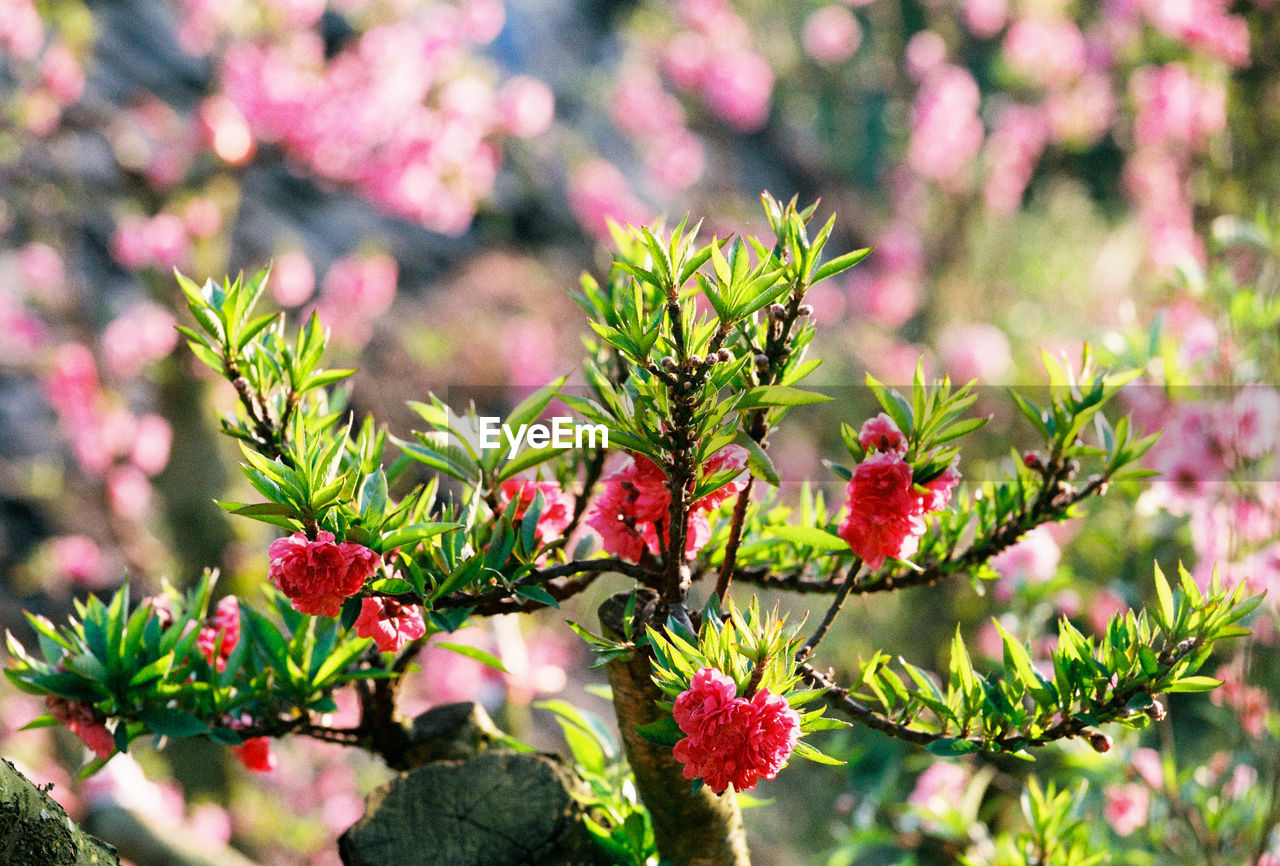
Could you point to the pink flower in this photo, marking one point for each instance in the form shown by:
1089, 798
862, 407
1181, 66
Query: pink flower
1047, 51
831, 34
557, 510
937, 493
728, 457
985, 18
731, 740
636, 501
881, 433
526, 107
598, 192
390, 623
42, 267
884, 517
1034, 558
153, 438
255, 753
78, 557
219, 636
945, 130
941, 782
319, 575
82, 720
737, 87
1149, 766
1126, 807
293, 280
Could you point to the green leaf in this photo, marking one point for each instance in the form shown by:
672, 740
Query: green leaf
810, 536
410, 535
1194, 684
538, 594
809, 753
947, 747
1165, 598
777, 395
172, 723
838, 265
664, 732
471, 652
391, 586
758, 461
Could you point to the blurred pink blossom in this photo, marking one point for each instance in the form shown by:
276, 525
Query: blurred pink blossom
674, 161
1125, 807
153, 438
985, 18
1034, 558
940, 786
1255, 417
61, 74
143, 334
888, 298
293, 280
78, 559
737, 87
41, 267
1082, 113
945, 130
1202, 24
356, 291
599, 192
526, 107
1150, 766
21, 30
1047, 51
925, 52
1104, 605
1174, 108
1013, 150
482, 20
975, 351
640, 105
128, 492
831, 35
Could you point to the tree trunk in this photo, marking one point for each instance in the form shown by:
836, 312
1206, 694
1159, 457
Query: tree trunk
699, 830
35, 831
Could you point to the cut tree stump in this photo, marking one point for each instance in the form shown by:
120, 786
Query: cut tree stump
496, 809
35, 830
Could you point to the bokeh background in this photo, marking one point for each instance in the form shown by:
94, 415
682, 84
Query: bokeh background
432, 177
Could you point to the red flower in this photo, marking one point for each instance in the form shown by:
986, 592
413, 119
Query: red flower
390, 623
255, 754
81, 720
732, 740
728, 457
219, 637
319, 575
636, 501
939, 489
884, 510
882, 434
557, 511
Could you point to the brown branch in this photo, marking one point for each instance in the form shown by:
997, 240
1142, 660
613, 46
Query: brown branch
555, 580
841, 699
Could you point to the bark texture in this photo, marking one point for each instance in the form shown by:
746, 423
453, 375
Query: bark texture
699, 830
496, 809
35, 831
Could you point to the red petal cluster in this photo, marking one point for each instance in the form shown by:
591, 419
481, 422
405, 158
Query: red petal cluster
255, 753
319, 575
390, 623
885, 508
732, 740
81, 720
557, 511
636, 501
220, 634
882, 434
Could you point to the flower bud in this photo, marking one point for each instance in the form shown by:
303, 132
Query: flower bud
1156, 711
777, 312
805, 310
1033, 460
724, 356
695, 361
1100, 742
762, 360
669, 364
